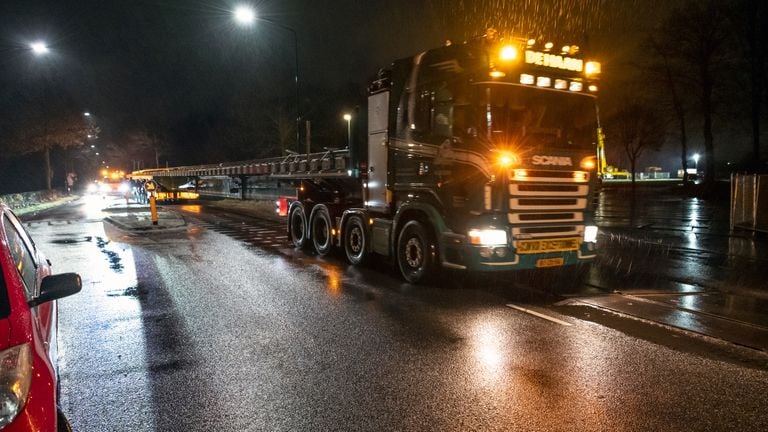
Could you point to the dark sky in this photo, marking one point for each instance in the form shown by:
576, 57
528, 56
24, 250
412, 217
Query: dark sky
132, 60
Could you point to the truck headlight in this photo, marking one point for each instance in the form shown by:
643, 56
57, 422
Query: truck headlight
15, 378
590, 234
487, 237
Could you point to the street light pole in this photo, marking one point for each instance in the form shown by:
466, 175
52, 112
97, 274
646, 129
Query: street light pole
348, 118
246, 15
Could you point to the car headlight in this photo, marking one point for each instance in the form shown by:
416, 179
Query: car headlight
15, 379
92, 188
487, 237
104, 187
590, 234
124, 187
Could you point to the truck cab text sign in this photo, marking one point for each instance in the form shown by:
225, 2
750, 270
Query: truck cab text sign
554, 61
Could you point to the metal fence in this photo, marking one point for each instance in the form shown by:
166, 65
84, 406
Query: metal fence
749, 202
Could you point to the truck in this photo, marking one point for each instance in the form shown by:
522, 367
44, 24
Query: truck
479, 156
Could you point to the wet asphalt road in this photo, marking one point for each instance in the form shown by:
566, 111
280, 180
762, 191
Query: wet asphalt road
220, 326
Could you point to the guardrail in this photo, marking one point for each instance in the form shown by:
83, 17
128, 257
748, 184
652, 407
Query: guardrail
749, 202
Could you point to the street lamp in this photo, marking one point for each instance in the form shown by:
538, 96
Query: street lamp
246, 15
696, 157
39, 48
348, 118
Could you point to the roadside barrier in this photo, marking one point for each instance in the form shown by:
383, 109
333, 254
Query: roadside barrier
749, 202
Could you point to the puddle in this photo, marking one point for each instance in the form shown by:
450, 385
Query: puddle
132, 291
70, 241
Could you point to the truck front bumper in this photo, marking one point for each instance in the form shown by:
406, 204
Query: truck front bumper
458, 255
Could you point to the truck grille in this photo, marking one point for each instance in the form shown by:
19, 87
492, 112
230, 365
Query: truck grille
548, 204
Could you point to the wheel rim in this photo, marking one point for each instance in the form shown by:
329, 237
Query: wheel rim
414, 253
355, 241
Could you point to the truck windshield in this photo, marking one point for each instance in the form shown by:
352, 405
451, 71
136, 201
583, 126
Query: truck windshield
509, 115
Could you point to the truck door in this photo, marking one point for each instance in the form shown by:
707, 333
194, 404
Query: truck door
378, 121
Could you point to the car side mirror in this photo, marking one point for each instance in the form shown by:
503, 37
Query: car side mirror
57, 286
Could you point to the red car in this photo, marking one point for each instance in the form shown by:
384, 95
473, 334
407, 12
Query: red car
28, 325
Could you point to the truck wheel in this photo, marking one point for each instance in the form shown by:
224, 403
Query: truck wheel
355, 241
415, 253
297, 227
321, 232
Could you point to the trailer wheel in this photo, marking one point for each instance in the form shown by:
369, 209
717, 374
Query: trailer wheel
298, 227
355, 241
415, 253
321, 232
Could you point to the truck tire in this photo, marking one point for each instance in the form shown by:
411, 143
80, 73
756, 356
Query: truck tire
415, 253
355, 240
321, 231
297, 227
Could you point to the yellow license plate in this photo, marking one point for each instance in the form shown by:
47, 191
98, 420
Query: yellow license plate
547, 245
550, 262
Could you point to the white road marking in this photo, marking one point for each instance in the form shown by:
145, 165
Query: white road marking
540, 315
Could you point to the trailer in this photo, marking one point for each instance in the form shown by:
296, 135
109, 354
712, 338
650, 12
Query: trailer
479, 157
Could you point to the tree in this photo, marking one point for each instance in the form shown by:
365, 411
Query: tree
636, 128
696, 35
745, 19
44, 132
141, 146
666, 71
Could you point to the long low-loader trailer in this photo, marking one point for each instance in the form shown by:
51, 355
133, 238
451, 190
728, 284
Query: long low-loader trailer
479, 156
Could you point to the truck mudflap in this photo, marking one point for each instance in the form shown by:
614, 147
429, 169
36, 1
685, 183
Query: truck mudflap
456, 254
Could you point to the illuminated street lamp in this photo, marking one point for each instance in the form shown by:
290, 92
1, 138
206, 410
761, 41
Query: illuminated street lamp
696, 157
39, 48
348, 118
246, 15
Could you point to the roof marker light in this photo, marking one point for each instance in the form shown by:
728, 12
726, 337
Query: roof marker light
527, 79
576, 86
